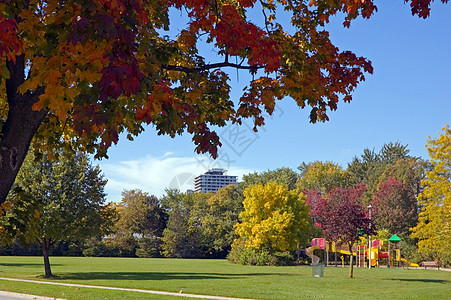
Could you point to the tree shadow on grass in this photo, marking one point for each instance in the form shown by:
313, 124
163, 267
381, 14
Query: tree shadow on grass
25, 265
154, 276
422, 280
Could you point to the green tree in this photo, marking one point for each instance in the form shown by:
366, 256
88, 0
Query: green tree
182, 237
373, 168
322, 176
392, 152
281, 175
80, 72
201, 224
366, 169
141, 223
274, 218
219, 219
434, 226
410, 171
56, 200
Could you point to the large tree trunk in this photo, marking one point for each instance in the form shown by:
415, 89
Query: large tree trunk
20, 126
45, 245
351, 266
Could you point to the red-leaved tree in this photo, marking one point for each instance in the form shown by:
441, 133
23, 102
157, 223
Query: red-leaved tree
318, 206
395, 207
344, 216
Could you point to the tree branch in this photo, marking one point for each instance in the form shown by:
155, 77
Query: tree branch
266, 17
210, 66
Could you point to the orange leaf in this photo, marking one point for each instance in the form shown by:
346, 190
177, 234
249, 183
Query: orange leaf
54, 76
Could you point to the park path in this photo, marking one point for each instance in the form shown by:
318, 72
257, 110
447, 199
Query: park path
19, 296
180, 294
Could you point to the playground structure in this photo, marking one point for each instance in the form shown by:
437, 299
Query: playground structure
309, 253
392, 257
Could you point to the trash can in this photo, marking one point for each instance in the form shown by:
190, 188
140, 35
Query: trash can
318, 270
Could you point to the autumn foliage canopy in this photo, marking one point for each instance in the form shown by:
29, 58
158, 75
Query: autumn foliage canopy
79, 73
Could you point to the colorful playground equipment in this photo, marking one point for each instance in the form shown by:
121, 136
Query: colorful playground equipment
309, 253
392, 257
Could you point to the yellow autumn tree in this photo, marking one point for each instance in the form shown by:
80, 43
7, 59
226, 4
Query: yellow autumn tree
322, 176
434, 225
274, 218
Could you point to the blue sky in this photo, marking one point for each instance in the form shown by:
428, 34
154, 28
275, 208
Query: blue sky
407, 99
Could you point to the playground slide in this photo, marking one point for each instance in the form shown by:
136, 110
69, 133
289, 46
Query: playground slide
345, 252
409, 263
309, 253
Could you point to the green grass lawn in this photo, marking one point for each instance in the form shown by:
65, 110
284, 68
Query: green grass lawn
218, 277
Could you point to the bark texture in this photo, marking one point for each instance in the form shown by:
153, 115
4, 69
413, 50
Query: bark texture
46, 243
20, 126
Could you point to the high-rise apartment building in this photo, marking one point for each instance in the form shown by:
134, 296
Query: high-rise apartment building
212, 180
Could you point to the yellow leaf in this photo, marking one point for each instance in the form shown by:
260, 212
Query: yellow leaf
61, 109
54, 91
93, 76
71, 93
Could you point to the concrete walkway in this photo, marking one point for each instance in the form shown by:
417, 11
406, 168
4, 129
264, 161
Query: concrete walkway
180, 294
19, 296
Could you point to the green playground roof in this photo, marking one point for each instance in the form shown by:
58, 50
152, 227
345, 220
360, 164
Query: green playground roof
394, 238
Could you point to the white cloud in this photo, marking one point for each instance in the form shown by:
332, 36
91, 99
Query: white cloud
154, 174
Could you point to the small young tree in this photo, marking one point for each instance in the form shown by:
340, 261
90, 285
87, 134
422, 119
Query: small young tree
56, 200
274, 218
345, 217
